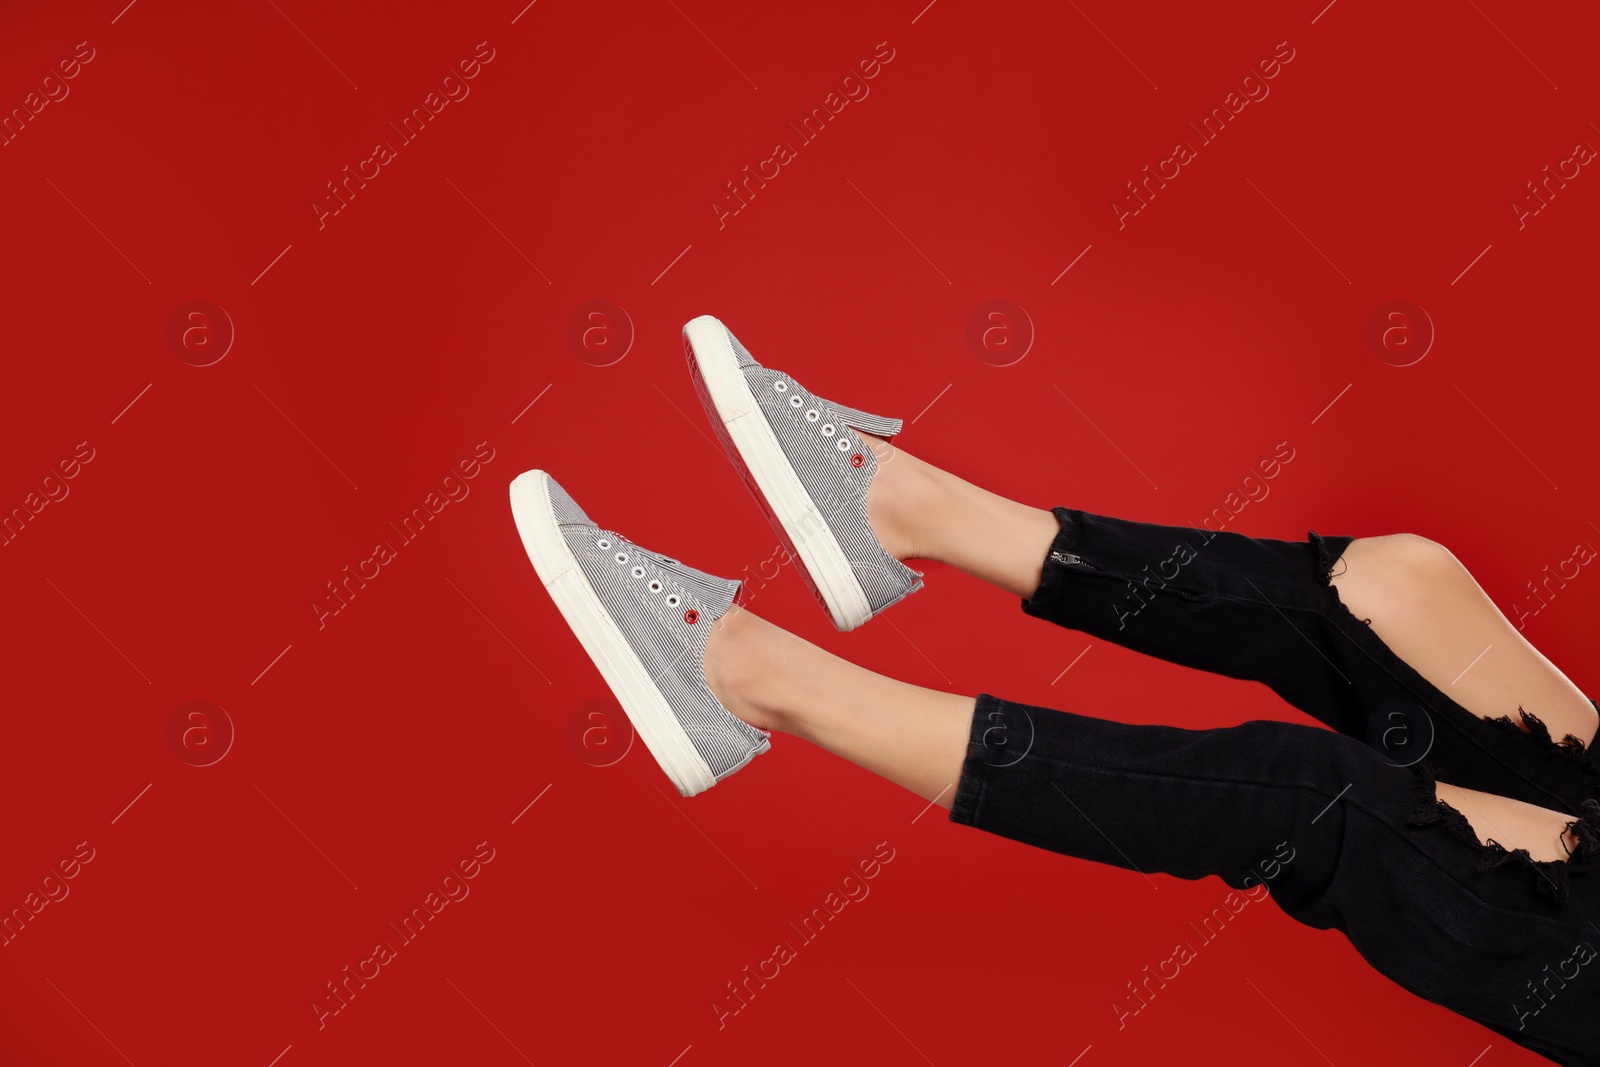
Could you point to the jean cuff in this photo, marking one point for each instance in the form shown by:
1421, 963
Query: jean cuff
967, 805
1053, 575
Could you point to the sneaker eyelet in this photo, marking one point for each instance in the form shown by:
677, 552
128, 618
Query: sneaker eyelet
691, 616
781, 386
843, 444
655, 587
603, 543
812, 415
827, 429
638, 572
672, 600
795, 401
857, 460
621, 557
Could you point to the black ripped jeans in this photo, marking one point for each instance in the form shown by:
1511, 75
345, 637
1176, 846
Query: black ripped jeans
1341, 825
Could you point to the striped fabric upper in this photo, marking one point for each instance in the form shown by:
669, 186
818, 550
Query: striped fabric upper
651, 597
836, 467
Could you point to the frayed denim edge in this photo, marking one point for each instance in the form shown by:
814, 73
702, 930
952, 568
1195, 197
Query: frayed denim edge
1535, 732
1550, 876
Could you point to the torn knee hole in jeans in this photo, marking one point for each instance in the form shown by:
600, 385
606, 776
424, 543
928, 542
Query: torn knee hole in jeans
1549, 876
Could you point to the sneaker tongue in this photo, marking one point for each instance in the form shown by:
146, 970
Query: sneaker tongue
679, 570
712, 592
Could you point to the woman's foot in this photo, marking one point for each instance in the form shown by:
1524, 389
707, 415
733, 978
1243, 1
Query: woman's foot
809, 462
849, 504
645, 620
704, 681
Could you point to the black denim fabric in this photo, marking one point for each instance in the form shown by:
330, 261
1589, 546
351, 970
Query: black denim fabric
1487, 932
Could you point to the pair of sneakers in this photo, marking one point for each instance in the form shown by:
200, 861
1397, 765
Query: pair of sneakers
644, 618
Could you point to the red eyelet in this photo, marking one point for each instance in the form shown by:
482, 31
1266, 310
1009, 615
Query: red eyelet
691, 616
857, 460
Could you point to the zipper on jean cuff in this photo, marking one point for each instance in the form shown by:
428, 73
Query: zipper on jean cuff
1072, 560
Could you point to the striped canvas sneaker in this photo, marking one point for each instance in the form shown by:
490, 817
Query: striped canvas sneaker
805, 465
644, 619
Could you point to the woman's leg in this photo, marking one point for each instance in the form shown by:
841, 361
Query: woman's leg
1334, 834
919, 738
1429, 609
1546, 834
773, 680
918, 511
1398, 673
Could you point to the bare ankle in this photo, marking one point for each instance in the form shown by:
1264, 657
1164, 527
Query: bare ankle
739, 667
899, 501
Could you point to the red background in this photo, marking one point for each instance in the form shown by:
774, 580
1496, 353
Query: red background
373, 354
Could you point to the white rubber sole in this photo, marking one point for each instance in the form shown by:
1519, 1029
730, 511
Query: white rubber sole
622, 670
751, 444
